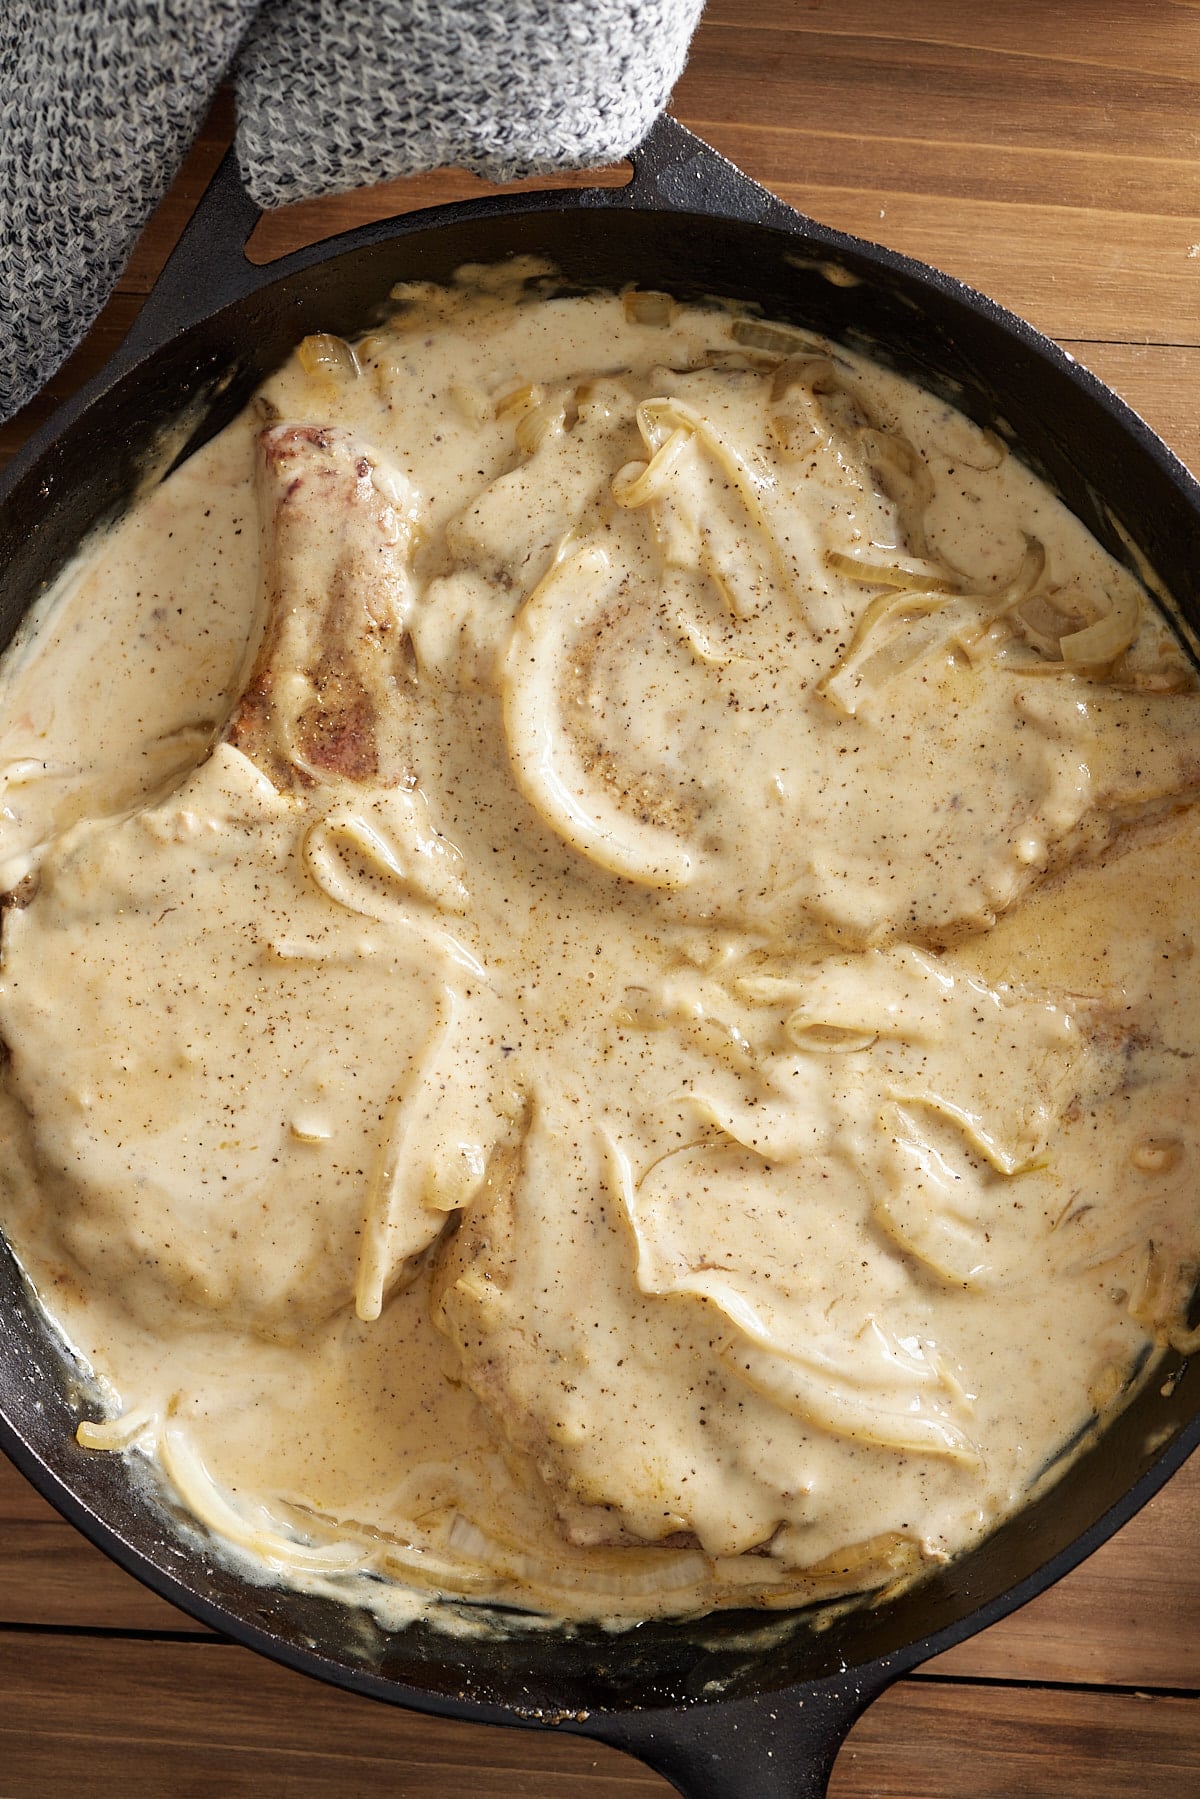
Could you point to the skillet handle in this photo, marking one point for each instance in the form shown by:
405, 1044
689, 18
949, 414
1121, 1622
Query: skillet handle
676, 171
776, 1746
673, 171
207, 269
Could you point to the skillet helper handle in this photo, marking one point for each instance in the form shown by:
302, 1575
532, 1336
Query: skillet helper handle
777, 1746
673, 171
676, 171
207, 269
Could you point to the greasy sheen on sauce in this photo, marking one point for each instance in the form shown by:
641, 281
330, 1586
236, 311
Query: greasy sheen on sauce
598, 985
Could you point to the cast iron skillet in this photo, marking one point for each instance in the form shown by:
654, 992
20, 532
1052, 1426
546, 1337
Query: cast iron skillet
741, 1706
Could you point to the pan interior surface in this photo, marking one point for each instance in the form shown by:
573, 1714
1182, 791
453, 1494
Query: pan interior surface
1074, 436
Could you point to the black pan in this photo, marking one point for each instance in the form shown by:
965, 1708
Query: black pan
739, 1706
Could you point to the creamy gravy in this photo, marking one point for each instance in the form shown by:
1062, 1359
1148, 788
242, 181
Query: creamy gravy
577, 1032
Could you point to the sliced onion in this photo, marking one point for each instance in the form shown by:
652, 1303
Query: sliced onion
844, 684
472, 403
819, 1039
979, 1141
770, 989
1157, 1155
757, 334
632, 1571
517, 401
1093, 645
323, 354
260, 1536
999, 451
538, 423
700, 643
1109, 637
1029, 572
848, 1399
642, 306
1043, 625
890, 450
816, 373
637, 483
776, 1133
545, 761
655, 1571
115, 1433
797, 433
905, 571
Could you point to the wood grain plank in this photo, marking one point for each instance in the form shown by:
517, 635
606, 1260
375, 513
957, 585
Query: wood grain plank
1129, 1616
1153, 37
1074, 272
1057, 169
925, 1740
1071, 272
205, 1717
828, 153
51, 1575
934, 88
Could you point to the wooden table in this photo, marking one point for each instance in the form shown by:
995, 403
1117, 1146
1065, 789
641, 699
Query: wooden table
1045, 150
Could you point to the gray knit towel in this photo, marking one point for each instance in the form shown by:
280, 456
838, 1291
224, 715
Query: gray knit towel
100, 100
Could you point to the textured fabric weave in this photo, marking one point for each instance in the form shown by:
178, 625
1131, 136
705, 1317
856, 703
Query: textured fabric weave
100, 100
334, 95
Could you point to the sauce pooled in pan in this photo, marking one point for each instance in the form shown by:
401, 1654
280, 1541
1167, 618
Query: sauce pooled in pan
598, 984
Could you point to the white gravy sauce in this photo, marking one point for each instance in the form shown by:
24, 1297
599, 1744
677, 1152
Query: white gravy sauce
666, 1084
